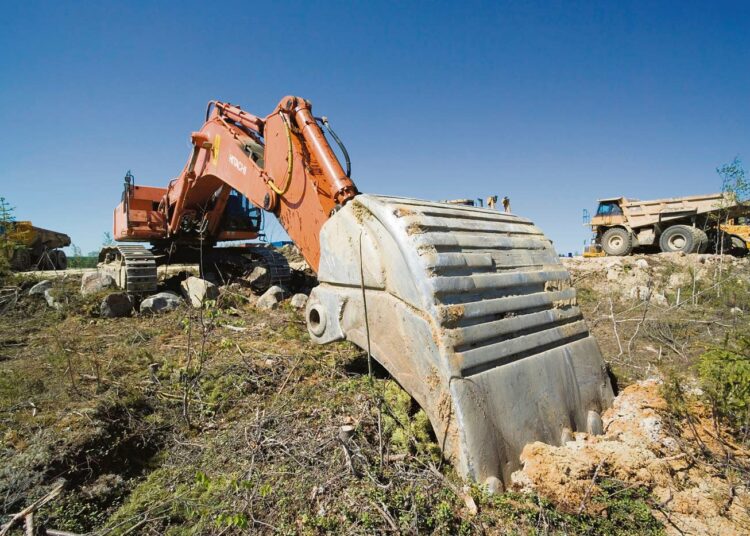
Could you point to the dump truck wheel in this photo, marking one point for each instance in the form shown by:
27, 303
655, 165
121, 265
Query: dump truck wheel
701, 240
739, 248
21, 260
617, 241
678, 238
59, 259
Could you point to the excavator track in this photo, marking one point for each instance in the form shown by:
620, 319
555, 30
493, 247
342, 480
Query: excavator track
273, 261
133, 267
472, 312
237, 262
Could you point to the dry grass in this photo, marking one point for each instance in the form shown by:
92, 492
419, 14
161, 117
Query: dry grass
229, 422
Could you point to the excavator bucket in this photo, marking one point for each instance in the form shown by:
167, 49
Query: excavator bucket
471, 311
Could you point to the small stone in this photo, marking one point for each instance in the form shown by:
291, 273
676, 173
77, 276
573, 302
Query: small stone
298, 301
161, 303
736, 311
493, 485
299, 266
613, 275
40, 288
270, 298
641, 263
93, 282
116, 305
197, 291
640, 292
659, 299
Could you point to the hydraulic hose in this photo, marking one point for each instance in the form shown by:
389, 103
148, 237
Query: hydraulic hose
324, 122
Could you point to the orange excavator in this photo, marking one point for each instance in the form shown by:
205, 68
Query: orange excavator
468, 308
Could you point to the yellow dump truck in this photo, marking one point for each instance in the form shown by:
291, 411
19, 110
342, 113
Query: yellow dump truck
693, 224
25, 246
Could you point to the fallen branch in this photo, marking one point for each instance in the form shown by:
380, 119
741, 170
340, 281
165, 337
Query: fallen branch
614, 327
388, 518
31, 509
235, 328
582, 507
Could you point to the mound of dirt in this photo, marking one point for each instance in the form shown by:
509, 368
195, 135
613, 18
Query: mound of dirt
691, 494
661, 273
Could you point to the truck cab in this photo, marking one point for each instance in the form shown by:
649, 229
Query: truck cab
608, 213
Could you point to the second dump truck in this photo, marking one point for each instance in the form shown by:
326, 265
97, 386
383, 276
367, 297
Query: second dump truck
692, 224
27, 247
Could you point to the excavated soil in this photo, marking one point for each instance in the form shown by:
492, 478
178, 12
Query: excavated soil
691, 495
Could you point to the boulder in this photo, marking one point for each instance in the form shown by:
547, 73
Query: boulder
298, 301
40, 288
161, 303
93, 282
116, 305
50, 299
197, 291
270, 298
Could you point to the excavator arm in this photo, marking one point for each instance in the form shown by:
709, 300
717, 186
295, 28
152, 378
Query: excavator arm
469, 309
282, 163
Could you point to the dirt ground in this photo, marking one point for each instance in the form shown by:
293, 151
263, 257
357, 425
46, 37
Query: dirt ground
638, 447
228, 420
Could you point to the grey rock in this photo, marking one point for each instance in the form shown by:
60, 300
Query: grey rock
161, 303
298, 301
40, 288
197, 291
736, 311
641, 263
258, 274
50, 299
93, 282
116, 305
270, 298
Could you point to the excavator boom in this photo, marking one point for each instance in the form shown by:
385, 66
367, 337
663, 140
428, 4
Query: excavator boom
468, 308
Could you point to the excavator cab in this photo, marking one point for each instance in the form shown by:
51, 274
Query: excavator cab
241, 215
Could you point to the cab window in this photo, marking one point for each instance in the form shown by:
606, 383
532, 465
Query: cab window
609, 209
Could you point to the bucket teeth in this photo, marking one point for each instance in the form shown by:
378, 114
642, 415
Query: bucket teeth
473, 314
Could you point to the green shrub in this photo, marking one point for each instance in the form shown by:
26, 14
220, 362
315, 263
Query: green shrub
724, 374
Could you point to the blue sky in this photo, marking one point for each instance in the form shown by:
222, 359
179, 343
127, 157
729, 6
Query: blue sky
552, 103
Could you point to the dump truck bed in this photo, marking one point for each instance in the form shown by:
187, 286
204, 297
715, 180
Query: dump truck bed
46, 239
646, 213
